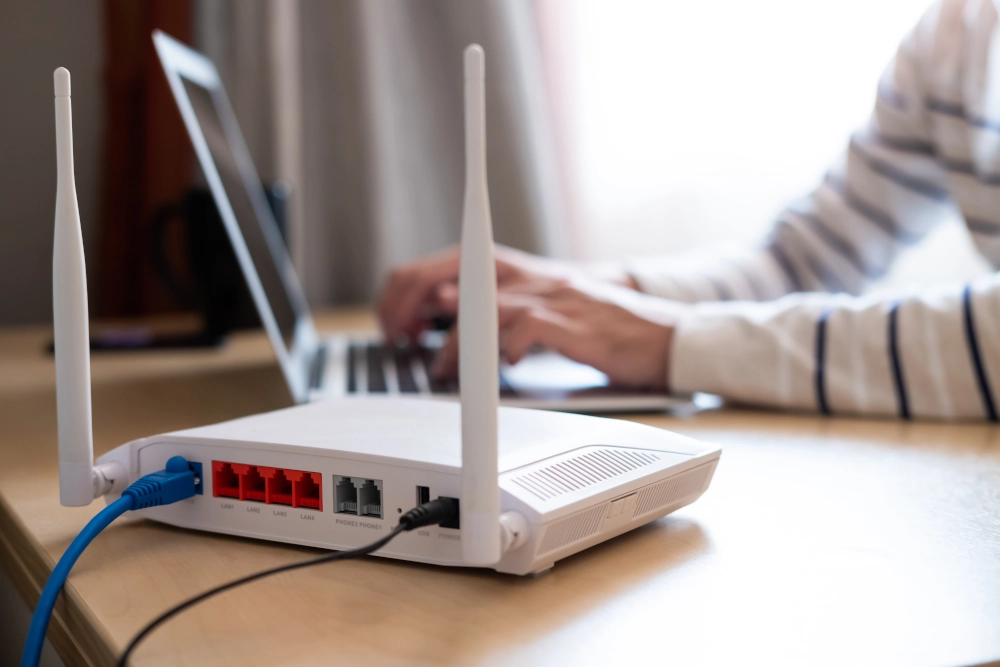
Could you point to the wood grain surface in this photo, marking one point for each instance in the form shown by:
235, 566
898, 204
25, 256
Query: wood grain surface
822, 541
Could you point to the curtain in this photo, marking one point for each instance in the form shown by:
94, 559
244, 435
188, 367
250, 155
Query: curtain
358, 104
146, 157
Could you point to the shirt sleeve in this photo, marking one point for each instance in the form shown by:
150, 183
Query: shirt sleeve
932, 354
885, 192
935, 354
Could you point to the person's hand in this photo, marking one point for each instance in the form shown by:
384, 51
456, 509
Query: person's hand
412, 295
620, 332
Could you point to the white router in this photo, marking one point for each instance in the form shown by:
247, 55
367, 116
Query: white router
533, 486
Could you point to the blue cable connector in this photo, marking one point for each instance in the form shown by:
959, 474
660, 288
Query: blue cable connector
178, 481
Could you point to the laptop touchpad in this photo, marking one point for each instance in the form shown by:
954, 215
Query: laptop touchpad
550, 371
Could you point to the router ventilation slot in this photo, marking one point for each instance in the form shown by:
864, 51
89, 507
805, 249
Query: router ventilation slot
588, 522
572, 529
583, 470
661, 494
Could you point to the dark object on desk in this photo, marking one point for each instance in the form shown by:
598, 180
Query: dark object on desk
443, 322
215, 286
210, 281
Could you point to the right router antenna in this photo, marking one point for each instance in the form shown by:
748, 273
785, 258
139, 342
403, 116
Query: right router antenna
477, 335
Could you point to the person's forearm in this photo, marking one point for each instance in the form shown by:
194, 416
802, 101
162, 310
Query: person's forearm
750, 275
933, 355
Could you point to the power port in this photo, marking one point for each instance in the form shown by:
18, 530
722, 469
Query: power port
423, 495
345, 495
370, 498
455, 521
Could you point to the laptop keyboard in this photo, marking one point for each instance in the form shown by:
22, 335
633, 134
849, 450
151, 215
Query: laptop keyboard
374, 368
399, 368
404, 370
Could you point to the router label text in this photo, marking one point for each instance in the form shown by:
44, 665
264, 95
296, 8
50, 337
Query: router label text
358, 524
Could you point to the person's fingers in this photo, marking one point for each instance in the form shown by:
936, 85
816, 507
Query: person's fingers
446, 299
411, 292
544, 286
573, 304
507, 303
511, 264
395, 287
510, 307
404, 308
423, 317
416, 292
408, 289
401, 282
446, 293
526, 328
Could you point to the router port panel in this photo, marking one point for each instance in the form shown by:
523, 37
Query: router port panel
381, 493
269, 485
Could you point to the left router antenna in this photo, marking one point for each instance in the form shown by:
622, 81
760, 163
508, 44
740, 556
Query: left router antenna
79, 481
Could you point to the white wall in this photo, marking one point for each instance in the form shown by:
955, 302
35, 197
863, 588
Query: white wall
37, 36
692, 123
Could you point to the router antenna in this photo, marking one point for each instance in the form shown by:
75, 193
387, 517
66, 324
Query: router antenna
477, 335
79, 481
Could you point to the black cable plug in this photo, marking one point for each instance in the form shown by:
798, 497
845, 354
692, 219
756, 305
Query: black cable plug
432, 513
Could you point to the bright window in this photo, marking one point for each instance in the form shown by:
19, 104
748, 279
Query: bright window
688, 123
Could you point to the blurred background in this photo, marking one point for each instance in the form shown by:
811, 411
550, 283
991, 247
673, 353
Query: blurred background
622, 128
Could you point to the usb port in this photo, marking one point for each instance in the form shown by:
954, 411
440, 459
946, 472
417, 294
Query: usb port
423, 495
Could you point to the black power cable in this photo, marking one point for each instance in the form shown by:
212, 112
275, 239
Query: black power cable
428, 514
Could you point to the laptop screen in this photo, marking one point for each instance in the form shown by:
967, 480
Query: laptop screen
259, 230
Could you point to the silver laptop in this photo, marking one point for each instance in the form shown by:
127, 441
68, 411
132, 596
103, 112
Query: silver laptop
318, 367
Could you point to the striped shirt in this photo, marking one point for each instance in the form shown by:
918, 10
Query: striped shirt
782, 325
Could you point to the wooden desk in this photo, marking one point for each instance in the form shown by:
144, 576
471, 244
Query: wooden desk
821, 541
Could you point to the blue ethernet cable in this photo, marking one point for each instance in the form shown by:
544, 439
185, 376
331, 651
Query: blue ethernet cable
176, 482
